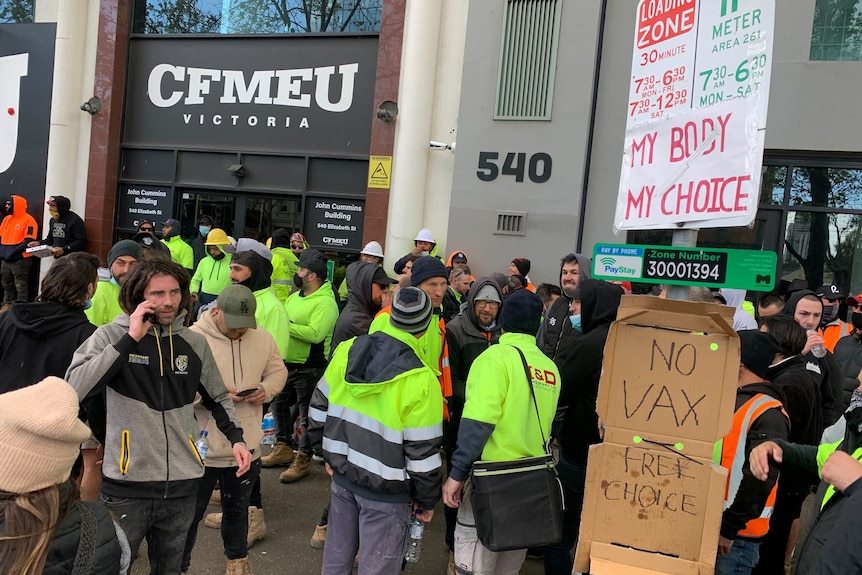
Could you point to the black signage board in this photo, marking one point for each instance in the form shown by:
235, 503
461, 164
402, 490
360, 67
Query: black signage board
334, 223
702, 266
26, 80
136, 202
293, 93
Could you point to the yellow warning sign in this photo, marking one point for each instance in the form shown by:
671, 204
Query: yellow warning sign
379, 171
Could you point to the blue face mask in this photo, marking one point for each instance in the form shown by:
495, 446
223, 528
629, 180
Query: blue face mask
204, 230
576, 321
88, 304
114, 281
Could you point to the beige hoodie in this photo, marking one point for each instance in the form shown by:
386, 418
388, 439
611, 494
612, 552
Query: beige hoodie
250, 361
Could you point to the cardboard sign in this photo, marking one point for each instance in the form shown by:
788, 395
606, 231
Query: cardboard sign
653, 499
691, 166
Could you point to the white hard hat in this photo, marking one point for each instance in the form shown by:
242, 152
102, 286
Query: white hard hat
372, 249
425, 235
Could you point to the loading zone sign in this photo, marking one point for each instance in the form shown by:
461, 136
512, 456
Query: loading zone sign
380, 172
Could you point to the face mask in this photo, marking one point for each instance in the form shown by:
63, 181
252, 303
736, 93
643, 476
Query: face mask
576, 321
220, 256
88, 304
297, 280
857, 320
204, 230
54, 214
830, 312
114, 281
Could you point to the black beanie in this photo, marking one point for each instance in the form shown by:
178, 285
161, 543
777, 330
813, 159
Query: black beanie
427, 267
757, 350
521, 313
523, 265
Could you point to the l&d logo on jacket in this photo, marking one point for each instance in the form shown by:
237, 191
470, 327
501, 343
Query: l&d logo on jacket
182, 364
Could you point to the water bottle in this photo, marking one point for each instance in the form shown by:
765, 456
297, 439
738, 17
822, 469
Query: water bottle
203, 446
818, 350
268, 428
414, 543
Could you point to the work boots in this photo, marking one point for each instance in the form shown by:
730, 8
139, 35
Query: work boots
256, 525
213, 520
281, 454
318, 540
298, 469
238, 567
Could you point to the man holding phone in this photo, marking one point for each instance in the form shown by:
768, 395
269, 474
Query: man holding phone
150, 368
253, 372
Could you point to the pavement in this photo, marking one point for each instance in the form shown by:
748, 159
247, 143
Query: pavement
291, 513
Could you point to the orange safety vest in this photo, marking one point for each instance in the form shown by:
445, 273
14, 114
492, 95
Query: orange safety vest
733, 459
832, 333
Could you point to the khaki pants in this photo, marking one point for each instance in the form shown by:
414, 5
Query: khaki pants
473, 558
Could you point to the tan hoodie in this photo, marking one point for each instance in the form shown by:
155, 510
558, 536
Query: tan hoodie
250, 361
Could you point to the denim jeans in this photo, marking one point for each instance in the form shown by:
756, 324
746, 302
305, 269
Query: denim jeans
741, 560
300, 385
235, 494
164, 522
377, 529
558, 556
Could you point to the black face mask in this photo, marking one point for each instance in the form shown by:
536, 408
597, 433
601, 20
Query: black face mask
220, 256
857, 320
297, 280
830, 312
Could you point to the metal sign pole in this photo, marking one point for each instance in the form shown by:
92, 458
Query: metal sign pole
686, 239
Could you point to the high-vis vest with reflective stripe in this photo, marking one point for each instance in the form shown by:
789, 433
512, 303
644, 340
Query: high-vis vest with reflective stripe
733, 459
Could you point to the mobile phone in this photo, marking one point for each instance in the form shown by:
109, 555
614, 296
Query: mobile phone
245, 392
150, 317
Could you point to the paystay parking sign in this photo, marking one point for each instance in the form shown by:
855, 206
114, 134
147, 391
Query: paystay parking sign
696, 115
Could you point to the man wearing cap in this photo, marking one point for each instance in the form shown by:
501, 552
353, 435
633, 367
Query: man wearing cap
105, 304
424, 245
376, 414
150, 367
205, 225
499, 423
313, 312
66, 232
759, 416
181, 252
372, 253
213, 272
253, 371
467, 336
366, 298
832, 327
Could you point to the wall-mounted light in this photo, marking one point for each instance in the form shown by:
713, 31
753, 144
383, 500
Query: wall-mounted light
237, 170
92, 106
387, 111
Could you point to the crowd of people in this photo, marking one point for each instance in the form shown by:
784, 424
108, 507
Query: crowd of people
398, 384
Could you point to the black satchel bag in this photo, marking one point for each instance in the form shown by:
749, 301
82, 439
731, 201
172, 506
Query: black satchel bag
518, 503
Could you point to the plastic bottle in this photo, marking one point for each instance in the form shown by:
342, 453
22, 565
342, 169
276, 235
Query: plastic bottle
818, 350
203, 446
414, 543
268, 428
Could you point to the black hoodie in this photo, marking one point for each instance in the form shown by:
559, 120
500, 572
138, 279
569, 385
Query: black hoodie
67, 229
360, 309
37, 340
829, 379
556, 324
580, 362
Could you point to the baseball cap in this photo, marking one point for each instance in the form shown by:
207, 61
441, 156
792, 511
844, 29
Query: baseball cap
854, 300
830, 292
381, 278
238, 305
172, 222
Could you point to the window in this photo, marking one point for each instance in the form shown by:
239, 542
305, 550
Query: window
255, 16
528, 60
16, 11
837, 31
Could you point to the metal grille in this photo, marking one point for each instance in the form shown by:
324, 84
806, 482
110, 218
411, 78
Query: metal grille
528, 60
511, 223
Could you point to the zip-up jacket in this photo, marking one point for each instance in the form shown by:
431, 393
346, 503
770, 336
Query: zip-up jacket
150, 389
251, 361
271, 316
106, 303
499, 421
181, 252
746, 497
832, 544
211, 275
377, 415
556, 324
284, 265
848, 354
16, 231
747, 501
312, 319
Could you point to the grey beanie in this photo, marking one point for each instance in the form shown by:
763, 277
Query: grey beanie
488, 293
124, 248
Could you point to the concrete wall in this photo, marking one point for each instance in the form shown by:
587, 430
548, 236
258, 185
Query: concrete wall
552, 207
